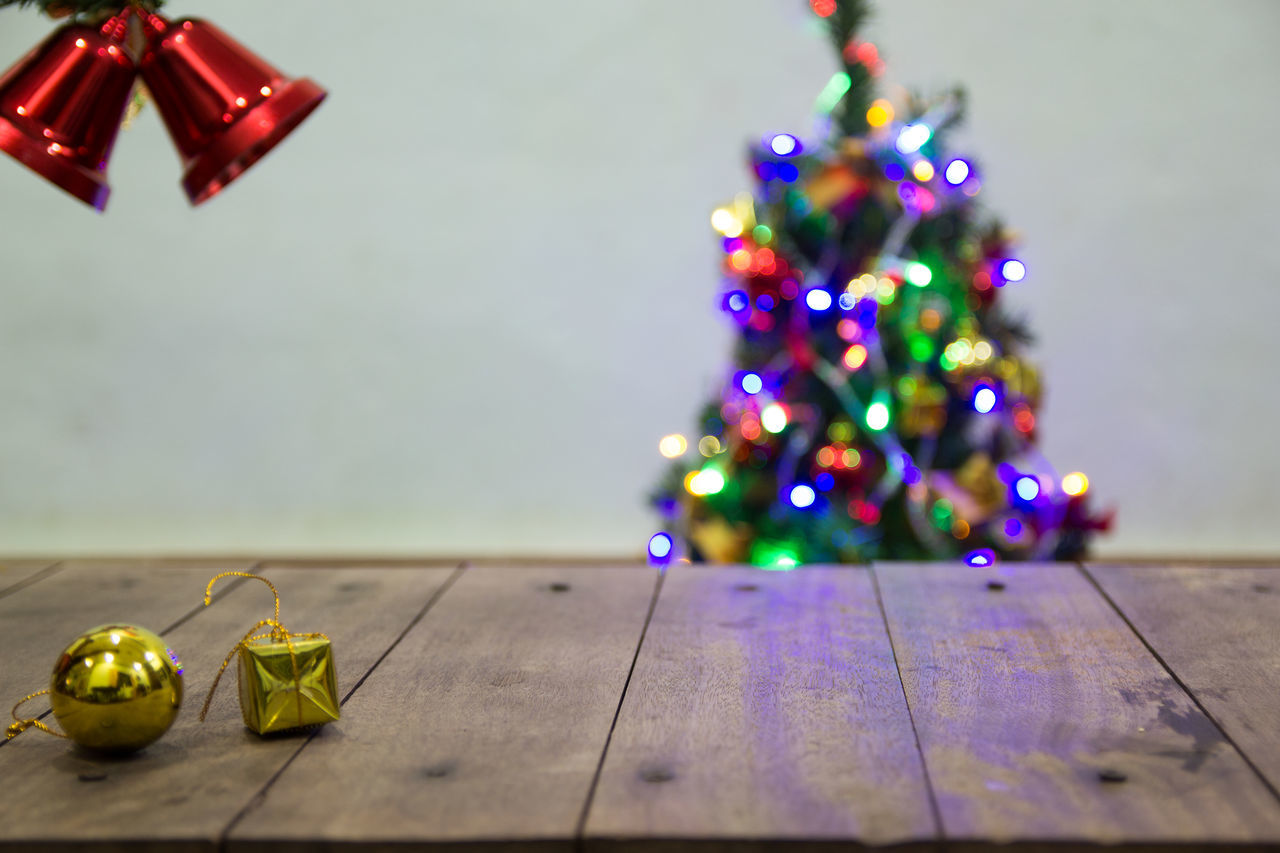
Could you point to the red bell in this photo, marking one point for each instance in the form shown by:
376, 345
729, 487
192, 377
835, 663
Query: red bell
224, 107
61, 106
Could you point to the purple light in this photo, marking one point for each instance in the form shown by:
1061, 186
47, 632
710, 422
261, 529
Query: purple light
1012, 527
660, 547
980, 557
1028, 488
894, 172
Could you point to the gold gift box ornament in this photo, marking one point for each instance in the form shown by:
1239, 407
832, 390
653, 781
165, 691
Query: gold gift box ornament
287, 681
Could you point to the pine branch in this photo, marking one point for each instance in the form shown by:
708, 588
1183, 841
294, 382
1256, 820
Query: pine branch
843, 25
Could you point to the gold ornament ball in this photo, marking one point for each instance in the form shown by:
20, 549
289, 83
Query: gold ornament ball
116, 688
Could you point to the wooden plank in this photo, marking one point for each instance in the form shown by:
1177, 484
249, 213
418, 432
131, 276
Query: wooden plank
37, 622
14, 574
186, 788
1216, 629
763, 706
486, 724
1043, 717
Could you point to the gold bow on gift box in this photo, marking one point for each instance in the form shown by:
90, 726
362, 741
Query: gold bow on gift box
287, 681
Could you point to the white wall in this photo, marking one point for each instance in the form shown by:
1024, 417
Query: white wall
456, 310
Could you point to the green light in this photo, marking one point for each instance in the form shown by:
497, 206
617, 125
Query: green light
877, 416
917, 273
907, 386
762, 234
947, 362
942, 511
831, 93
921, 348
885, 295
774, 556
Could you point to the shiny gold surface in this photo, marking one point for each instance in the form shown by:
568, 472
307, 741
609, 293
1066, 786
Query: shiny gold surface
287, 684
116, 688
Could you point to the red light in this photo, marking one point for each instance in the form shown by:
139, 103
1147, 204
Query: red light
981, 280
823, 8
1023, 418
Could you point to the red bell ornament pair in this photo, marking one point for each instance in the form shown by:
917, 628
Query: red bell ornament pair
62, 104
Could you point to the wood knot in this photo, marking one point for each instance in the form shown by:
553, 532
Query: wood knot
559, 586
656, 775
92, 776
440, 771
995, 586
747, 587
1261, 587
1111, 775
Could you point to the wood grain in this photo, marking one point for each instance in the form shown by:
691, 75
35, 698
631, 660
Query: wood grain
486, 724
1216, 629
1027, 698
763, 706
15, 573
186, 788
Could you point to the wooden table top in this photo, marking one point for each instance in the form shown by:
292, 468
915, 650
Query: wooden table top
927, 706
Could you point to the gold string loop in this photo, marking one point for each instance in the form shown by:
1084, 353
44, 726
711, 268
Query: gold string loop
24, 723
208, 590
278, 634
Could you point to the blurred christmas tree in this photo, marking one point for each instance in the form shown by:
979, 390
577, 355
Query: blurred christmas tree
880, 406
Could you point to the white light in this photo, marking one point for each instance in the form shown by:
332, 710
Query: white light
802, 496
783, 144
877, 416
773, 418
985, 400
752, 383
911, 137
957, 172
817, 299
1013, 270
848, 301
1028, 488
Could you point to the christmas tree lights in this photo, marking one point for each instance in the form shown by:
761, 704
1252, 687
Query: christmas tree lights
879, 406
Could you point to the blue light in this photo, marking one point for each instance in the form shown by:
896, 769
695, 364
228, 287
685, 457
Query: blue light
1012, 527
766, 170
784, 145
980, 557
818, 299
1028, 488
765, 302
802, 496
894, 172
824, 481
911, 475
847, 301
660, 546
752, 383
737, 301
957, 172
1013, 270
984, 400
787, 172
